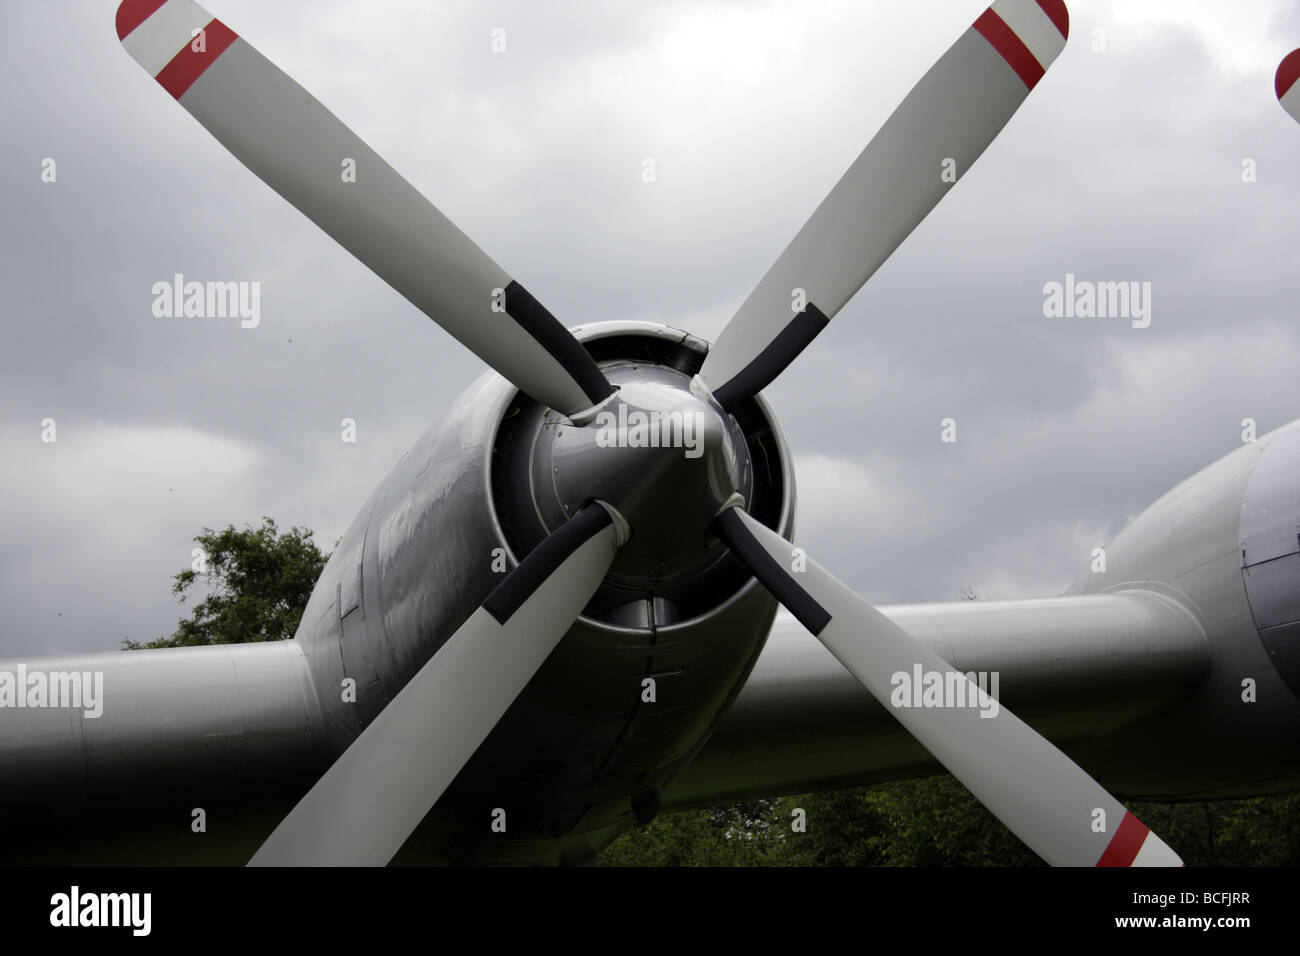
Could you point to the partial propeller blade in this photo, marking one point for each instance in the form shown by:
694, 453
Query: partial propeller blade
1042, 796
303, 152
366, 805
1287, 83
934, 136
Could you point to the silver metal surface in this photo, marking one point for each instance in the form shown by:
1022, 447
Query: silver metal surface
378, 791
580, 739
1270, 552
1126, 685
1222, 741
1164, 675
182, 727
1077, 669
423, 553
664, 455
1035, 790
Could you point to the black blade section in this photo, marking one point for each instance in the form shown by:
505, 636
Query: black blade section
774, 358
541, 562
771, 575
535, 319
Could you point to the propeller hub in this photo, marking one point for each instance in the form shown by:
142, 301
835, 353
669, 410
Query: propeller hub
664, 454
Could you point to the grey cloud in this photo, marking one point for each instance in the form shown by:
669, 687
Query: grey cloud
1120, 165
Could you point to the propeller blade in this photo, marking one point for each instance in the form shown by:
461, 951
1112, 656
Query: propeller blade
303, 152
934, 136
1288, 89
366, 805
1037, 791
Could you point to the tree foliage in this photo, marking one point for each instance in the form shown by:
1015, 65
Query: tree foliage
936, 822
259, 580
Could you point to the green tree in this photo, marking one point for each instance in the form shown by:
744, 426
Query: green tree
930, 822
742, 834
936, 822
259, 580
1260, 831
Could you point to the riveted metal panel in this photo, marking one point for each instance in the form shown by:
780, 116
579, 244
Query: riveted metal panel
1274, 591
1270, 511
1270, 553
350, 590
1283, 646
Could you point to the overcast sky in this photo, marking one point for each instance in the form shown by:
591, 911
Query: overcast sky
1125, 163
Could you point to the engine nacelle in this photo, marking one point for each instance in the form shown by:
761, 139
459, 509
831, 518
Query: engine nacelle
1224, 543
631, 691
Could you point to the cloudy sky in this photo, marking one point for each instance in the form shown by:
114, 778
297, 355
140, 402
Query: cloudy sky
1124, 164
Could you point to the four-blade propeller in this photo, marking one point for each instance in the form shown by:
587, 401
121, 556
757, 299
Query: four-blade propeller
376, 793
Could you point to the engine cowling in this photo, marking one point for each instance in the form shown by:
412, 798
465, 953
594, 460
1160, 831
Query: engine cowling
632, 690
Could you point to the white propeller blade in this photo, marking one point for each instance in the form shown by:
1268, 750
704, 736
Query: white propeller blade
302, 151
1287, 83
937, 132
1042, 796
366, 805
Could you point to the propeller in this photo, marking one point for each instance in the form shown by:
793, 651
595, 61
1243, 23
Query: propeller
1287, 85
934, 136
371, 799
1041, 795
302, 151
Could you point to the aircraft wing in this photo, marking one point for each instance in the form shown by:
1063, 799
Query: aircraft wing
140, 752
237, 732
1085, 671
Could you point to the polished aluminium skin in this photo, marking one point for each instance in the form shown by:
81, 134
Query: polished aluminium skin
540, 618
